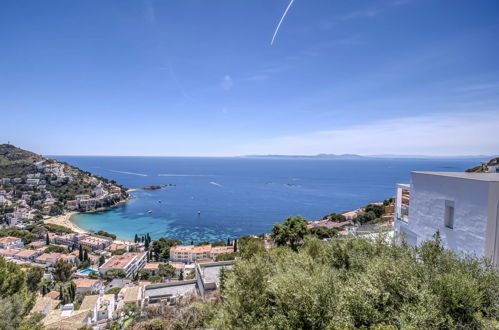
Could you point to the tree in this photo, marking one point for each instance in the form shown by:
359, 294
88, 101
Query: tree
34, 276
166, 270
291, 232
116, 273
235, 245
228, 241
250, 246
378, 210
80, 253
181, 275
143, 274
62, 271
102, 260
136, 238
15, 298
47, 239
359, 283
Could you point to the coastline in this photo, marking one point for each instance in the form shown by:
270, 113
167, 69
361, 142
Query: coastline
65, 220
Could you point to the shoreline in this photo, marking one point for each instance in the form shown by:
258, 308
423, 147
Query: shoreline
65, 220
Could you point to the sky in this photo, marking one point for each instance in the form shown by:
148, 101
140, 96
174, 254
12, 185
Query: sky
201, 78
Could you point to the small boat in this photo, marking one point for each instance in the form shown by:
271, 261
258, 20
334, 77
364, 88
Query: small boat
150, 211
159, 201
199, 212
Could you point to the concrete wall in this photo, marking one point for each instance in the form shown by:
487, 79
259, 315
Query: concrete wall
429, 194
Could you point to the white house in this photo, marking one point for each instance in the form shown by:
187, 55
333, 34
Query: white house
463, 207
11, 242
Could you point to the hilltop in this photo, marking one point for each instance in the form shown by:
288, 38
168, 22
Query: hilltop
32, 187
490, 166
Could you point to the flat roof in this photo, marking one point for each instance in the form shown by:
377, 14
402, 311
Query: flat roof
173, 289
489, 177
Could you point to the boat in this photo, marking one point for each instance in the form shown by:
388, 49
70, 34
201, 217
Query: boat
159, 201
199, 212
150, 211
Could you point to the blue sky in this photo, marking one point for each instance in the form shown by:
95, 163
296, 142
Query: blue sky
199, 77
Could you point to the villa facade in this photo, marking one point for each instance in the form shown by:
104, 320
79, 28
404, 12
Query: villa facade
462, 207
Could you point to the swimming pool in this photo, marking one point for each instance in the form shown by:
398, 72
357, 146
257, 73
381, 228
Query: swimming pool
88, 271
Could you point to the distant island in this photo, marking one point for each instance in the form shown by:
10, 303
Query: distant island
368, 157
156, 187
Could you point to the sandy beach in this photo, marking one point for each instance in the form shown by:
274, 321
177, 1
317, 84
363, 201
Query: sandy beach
63, 220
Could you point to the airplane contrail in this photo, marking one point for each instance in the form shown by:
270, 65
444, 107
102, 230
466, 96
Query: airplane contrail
280, 22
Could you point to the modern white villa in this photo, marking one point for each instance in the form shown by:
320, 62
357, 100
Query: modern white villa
463, 207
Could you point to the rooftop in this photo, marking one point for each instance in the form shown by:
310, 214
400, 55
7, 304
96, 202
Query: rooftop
121, 261
170, 289
85, 282
488, 177
8, 239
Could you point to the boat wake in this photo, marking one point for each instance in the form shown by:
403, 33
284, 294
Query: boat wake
183, 175
216, 184
124, 172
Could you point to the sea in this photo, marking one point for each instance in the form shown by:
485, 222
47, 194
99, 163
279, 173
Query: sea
218, 198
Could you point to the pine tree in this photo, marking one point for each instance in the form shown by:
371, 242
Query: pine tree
85, 255
228, 241
80, 254
181, 275
235, 245
47, 239
136, 239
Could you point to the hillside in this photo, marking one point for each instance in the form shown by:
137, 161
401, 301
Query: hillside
486, 167
32, 186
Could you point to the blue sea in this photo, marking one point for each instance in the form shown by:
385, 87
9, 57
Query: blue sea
241, 196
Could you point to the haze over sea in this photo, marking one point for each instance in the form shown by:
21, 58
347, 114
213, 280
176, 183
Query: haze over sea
241, 196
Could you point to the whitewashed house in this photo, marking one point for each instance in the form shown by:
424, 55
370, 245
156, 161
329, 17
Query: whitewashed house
463, 207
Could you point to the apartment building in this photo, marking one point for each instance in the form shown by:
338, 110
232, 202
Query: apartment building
129, 263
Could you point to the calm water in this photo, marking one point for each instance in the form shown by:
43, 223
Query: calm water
239, 196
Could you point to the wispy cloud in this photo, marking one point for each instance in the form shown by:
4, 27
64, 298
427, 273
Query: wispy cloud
443, 134
227, 82
149, 12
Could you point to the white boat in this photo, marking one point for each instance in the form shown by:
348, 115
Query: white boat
150, 211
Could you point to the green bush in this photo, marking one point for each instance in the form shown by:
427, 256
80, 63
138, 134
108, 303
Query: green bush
358, 283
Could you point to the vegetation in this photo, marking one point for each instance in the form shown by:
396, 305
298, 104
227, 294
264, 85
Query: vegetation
62, 271
113, 291
106, 234
355, 283
55, 248
34, 277
26, 236
110, 274
58, 228
291, 232
484, 167
16, 300
161, 248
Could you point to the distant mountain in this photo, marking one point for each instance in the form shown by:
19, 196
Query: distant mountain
490, 166
321, 156
385, 156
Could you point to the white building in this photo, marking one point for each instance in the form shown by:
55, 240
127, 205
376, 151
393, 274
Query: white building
10, 242
129, 263
463, 207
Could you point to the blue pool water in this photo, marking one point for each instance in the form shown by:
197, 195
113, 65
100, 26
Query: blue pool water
240, 196
87, 271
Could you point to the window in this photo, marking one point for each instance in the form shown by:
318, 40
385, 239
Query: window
449, 214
